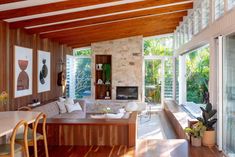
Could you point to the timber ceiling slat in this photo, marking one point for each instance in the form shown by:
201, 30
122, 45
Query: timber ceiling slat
118, 34
93, 12
87, 35
45, 8
9, 1
149, 26
120, 24
145, 34
111, 18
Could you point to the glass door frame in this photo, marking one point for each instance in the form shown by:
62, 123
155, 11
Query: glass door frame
219, 45
162, 78
221, 131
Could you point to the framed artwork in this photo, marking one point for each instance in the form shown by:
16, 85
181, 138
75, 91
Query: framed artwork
44, 71
23, 73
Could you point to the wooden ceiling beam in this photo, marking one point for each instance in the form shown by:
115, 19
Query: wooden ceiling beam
120, 24
146, 34
117, 36
51, 7
93, 12
100, 20
110, 32
105, 34
9, 1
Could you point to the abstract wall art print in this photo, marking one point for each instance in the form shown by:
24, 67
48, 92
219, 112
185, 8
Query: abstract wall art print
23, 64
44, 71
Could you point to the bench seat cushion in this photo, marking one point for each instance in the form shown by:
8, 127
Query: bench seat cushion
50, 109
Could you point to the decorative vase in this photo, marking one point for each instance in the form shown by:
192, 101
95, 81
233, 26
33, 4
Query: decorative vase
196, 141
107, 93
208, 138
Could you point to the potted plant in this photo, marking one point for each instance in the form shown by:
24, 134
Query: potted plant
195, 133
208, 121
3, 100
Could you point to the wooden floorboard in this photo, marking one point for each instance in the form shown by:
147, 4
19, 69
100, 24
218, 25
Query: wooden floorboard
116, 151
205, 152
123, 151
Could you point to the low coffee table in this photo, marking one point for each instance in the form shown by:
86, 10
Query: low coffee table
101, 109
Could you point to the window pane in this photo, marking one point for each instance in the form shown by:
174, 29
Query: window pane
175, 40
205, 13
162, 46
177, 79
82, 52
229, 96
190, 28
219, 8
186, 39
78, 77
153, 80
181, 36
195, 22
231, 4
168, 91
197, 72
70, 77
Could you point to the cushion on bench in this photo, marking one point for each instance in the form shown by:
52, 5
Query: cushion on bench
52, 110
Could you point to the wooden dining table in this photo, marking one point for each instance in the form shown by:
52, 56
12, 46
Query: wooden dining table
9, 119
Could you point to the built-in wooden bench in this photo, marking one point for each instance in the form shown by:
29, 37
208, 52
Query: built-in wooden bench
87, 132
178, 117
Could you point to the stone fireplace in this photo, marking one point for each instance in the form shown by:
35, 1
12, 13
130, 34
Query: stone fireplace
127, 63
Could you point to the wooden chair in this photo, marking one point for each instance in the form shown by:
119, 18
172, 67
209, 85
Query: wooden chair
24, 108
33, 136
9, 150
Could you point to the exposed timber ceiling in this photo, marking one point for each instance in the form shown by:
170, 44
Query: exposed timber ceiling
78, 23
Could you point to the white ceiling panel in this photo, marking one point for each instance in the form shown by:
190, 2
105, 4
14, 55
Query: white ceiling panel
27, 3
72, 10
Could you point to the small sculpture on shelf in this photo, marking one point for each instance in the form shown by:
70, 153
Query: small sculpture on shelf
99, 66
100, 81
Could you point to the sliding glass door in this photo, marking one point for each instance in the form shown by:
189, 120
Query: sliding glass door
153, 80
228, 112
158, 79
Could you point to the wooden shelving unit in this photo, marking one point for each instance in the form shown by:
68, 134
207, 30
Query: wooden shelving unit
101, 89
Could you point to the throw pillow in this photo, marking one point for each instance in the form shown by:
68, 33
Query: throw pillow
61, 99
69, 101
61, 107
73, 107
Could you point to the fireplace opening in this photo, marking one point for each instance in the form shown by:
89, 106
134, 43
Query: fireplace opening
127, 93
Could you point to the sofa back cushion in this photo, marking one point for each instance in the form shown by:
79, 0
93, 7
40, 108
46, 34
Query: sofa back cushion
50, 109
82, 104
61, 106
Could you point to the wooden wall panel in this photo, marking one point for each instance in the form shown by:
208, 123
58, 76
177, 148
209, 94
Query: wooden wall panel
3, 56
10, 38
